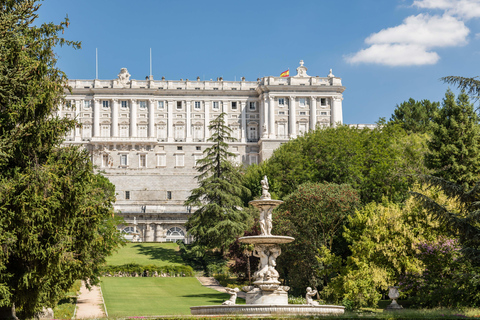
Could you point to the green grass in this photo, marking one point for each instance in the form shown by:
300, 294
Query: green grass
160, 254
157, 296
66, 306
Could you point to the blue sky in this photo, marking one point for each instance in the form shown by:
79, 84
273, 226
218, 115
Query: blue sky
385, 51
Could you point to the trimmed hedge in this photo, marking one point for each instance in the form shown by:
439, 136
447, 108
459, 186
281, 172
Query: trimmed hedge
150, 270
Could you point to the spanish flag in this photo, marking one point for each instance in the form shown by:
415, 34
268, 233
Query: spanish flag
285, 74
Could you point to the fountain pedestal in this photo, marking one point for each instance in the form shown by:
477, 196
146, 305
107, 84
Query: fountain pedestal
267, 296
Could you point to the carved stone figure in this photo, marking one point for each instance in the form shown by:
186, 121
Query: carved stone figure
233, 296
123, 77
265, 187
309, 297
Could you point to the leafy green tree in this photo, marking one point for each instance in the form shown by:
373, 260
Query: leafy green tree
415, 116
56, 221
371, 161
454, 149
383, 239
314, 215
219, 218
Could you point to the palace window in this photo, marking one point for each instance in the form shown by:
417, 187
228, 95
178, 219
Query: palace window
161, 160
179, 104
123, 160
124, 104
169, 195
159, 105
301, 102
105, 103
127, 195
215, 105
323, 101
86, 131
142, 104
142, 161
303, 113
87, 104
324, 113
105, 130
281, 112
252, 105
142, 131
281, 101
105, 160
124, 131
234, 105
179, 160
198, 148
197, 105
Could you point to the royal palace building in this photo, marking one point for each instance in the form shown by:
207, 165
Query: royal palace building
146, 135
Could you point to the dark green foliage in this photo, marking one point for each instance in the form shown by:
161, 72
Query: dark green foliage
470, 85
141, 270
219, 218
314, 215
454, 150
202, 259
56, 221
371, 161
415, 116
447, 279
463, 222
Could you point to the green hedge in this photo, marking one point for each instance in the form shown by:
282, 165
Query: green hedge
137, 270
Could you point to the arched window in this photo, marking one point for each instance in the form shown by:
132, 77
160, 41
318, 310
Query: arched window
174, 234
128, 230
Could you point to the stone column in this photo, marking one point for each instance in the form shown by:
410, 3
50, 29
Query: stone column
292, 118
244, 121
189, 121
96, 118
225, 110
207, 119
114, 128
151, 118
149, 233
271, 125
158, 233
78, 105
133, 118
170, 133
337, 116
313, 113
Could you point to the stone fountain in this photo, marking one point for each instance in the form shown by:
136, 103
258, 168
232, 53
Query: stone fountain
267, 296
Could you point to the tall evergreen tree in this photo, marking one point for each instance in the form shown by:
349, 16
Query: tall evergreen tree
219, 217
415, 116
454, 150
55, 212
470, 85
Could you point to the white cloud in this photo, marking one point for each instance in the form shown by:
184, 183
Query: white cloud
411, 42
466, 9
395, 55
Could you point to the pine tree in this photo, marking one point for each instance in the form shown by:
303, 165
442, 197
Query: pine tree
56, 221
415, 116
454, 150
219, 218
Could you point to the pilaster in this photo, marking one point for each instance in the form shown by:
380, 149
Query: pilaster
133, 118
337, 116
243, 105
77, 104
151, 118
313, 113
114, 128
271, 125
207, 119
96, 118
292, 119
170, 133
189, 121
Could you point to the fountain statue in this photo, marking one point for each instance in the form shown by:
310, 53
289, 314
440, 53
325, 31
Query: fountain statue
267, 296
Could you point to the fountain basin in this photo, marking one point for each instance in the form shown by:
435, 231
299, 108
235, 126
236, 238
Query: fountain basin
267, 309
266, 239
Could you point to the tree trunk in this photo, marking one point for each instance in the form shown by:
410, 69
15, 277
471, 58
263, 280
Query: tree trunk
8, 313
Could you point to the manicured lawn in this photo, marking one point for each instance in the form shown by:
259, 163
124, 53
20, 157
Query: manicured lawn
156, 296
160, 254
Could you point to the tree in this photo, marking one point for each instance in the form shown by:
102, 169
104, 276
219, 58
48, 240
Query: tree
454, 149
314, 215
219, 218
56, 221
371, 161
415, 116
469, 85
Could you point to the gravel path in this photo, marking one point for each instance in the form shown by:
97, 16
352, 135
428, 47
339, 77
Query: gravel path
90, 303
211, 283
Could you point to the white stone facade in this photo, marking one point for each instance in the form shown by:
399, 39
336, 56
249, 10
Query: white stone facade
146, 135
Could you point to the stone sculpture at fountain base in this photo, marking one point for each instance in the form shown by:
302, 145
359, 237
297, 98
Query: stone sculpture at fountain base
267, 296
